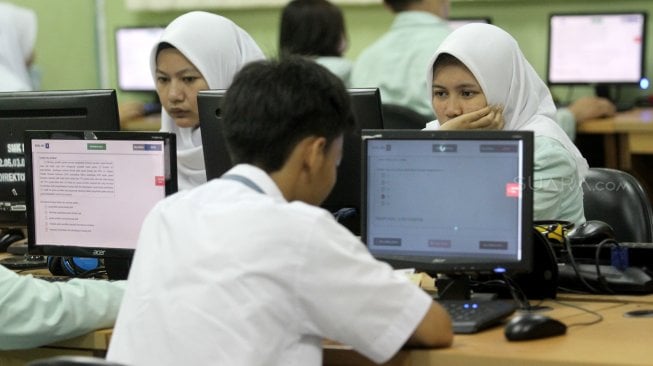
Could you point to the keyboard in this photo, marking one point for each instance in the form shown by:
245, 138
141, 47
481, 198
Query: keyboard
469, 316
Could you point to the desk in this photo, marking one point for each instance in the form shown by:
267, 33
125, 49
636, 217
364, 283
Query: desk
625, 134
617, 340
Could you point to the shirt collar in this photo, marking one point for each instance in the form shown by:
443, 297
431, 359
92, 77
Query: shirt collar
413, 18
260, 177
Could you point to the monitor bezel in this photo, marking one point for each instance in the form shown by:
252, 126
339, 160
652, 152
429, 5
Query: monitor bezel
91, 251
597, 13
30, 110
445, 266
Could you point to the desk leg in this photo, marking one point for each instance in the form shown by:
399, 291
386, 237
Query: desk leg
611, 150
624, 154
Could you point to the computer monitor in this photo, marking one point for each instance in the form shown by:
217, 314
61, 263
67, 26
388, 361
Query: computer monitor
600, 49
456, 203
133, 48
43, 110
216, 156
366, 105
89, 191
457, 22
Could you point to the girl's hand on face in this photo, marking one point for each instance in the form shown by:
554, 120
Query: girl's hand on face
487, 118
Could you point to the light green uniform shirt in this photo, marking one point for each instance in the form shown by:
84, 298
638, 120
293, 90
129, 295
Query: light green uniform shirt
567, 122
557, 194
339, 66
34, 312
397, 62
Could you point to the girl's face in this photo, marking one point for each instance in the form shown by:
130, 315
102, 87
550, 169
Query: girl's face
177, 84
455, 92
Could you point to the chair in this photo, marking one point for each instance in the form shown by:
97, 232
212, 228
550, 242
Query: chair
617, 198
403, 118
73, 361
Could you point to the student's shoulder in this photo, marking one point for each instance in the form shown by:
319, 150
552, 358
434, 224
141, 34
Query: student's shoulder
550, 154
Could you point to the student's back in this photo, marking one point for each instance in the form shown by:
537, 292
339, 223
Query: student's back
240, 271
396, 62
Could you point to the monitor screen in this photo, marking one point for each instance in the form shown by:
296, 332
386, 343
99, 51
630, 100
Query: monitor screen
366, 106
449, 202
455, 22
596, 48
133, 48
89, 191
47, 110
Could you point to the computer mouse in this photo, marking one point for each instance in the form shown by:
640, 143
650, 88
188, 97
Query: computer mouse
533, 326
591, 232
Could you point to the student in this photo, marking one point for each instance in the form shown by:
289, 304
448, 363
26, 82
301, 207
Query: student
17, 40
248, 270
480, 66
316, 29
197, 51
36, 312
395, 63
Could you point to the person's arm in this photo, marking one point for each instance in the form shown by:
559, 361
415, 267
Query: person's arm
434, 330
36, 312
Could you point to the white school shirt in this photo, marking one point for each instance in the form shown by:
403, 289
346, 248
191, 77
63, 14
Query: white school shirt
225, 275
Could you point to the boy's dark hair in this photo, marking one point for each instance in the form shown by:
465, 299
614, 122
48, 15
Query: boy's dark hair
400, 5
311, 28
272, 105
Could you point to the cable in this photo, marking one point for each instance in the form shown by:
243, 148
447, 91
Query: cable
599, 275
599, 317
517, 293
572, 261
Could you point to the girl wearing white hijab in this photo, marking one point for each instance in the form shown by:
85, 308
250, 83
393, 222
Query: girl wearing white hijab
18, 28
479, 66
197, 51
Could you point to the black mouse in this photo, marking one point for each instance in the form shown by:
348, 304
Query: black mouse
591, 232
533, 326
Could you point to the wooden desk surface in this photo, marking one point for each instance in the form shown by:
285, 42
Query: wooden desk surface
639, 119
617, 340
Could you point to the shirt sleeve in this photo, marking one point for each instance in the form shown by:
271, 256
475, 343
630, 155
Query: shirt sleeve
36, 312
567, 122
554, 175
354, 299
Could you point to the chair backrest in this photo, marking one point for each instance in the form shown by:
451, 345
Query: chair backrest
400, 117
617, 198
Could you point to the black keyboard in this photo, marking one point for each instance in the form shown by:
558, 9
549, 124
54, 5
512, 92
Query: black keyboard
470, 316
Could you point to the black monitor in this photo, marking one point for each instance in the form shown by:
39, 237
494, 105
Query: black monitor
457, 22
89, 191
457, 203
43, 110
599, 49
345, 197
216, 157
133, 48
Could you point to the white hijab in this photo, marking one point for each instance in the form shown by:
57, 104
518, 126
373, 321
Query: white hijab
18, 28
506, 78
218, 48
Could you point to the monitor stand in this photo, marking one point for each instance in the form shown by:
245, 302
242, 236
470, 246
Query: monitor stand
458, 287
117, 268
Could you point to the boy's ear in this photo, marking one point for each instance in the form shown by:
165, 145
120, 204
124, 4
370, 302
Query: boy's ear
315, 152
